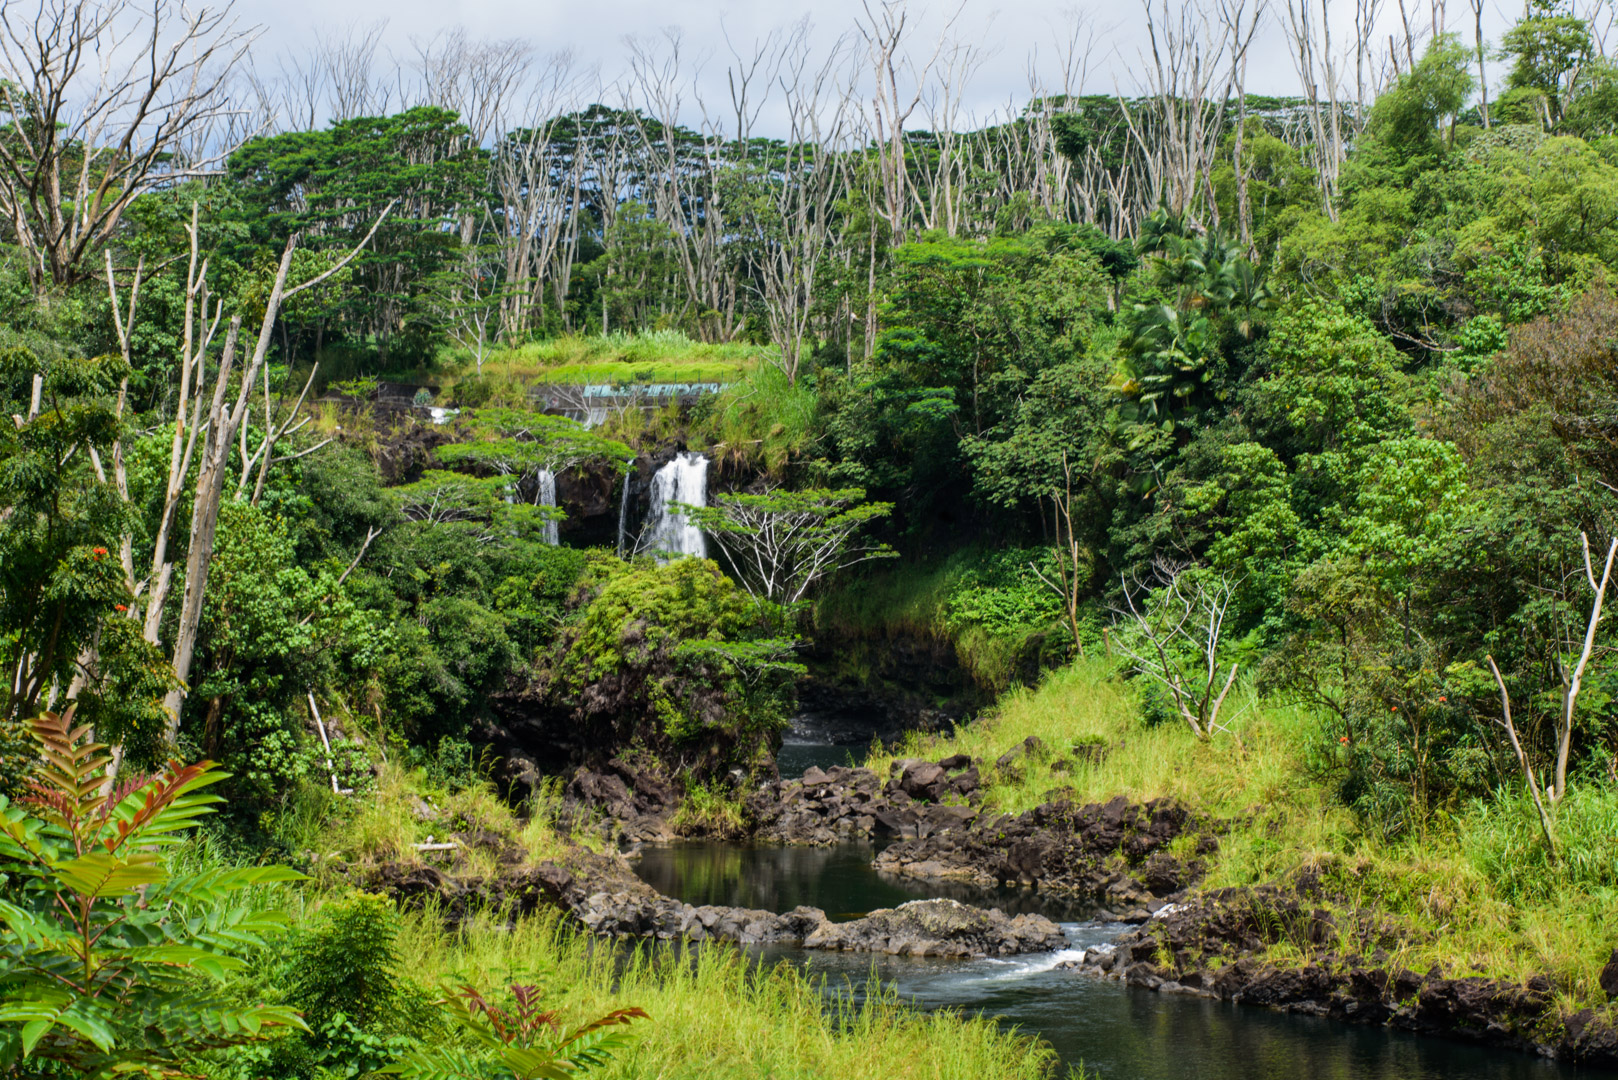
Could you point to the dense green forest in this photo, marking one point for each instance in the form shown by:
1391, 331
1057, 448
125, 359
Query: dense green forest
1284, 427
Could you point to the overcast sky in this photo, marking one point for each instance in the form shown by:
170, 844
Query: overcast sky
1007, 32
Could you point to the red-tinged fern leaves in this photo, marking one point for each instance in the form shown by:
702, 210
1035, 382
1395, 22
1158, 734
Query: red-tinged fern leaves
159, 795
66, 789
593, 1044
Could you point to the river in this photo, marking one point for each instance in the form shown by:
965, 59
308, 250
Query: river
1120, 1032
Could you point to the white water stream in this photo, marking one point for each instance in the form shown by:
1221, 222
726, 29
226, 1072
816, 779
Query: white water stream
668, 533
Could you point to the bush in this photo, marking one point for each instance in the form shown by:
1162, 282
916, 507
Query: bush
347, 963
677, 659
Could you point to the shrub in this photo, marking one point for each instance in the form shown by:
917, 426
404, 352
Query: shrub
347, 963
110, 964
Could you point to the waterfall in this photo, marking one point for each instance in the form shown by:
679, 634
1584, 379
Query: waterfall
623, 512
547, 497
683, 480
594, 416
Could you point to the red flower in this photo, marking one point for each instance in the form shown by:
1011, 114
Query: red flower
98, 552
1344, 740
1441, 698
1393, 708
120, 607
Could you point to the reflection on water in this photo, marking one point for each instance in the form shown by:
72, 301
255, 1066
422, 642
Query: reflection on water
839, 880
1118, 1032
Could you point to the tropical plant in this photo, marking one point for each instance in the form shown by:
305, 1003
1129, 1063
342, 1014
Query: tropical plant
780, 543
523, 1042
110, 964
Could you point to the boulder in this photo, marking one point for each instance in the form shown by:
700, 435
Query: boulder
940, 928
921, 780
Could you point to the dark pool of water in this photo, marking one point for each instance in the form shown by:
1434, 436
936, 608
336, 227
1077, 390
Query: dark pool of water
839, 880
1116, 1031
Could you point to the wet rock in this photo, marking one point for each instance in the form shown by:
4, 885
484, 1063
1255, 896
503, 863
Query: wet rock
940, 928
920, 928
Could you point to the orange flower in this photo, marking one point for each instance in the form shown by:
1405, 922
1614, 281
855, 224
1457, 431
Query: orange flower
120, 607
1344, 740
99, 552
1442, 698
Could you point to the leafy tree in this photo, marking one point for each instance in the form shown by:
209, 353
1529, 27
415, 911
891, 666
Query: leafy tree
64, 593
781, 543
1548, 49
110, 964
1407, 119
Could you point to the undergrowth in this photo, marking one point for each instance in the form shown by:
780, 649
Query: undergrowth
1002, 622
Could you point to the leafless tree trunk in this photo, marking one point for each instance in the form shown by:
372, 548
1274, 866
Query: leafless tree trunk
1177, 135
1523, 763
1186, 614
1483, 76
794, 232
1072, 568
216, 434
102, 94
1308, 30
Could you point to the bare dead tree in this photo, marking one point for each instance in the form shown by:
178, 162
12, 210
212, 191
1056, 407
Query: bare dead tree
794, 234
675, 189
1366, 13
205, 427
1241, 23
1572, 683
102, 93
1308, 30
1171, 631
1523, 764
1072, 570
938, 204
1477, 50
1176, 134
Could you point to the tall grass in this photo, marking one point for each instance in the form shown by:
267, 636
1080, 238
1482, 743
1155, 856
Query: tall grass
717, 1015
651, 356
764, 419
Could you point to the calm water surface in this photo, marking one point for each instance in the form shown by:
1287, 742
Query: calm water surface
1122, 1033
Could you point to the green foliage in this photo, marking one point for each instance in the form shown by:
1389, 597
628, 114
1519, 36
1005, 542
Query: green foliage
62, 588
111, 963
1408, 117
346, 963
523, 1040
676, 658
1002, 595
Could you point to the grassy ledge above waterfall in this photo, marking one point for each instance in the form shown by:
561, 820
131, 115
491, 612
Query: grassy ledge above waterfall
1469, 889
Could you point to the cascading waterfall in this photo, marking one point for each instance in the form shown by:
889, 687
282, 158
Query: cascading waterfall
547, 497
623, 512
669, 534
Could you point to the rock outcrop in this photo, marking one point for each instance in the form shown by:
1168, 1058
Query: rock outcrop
1213, 945
944, 928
